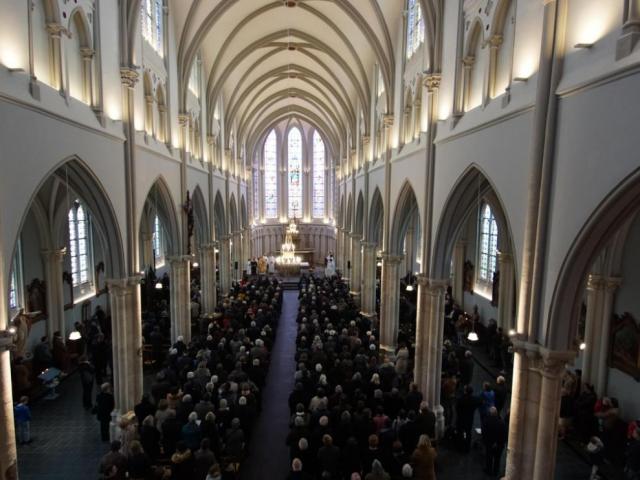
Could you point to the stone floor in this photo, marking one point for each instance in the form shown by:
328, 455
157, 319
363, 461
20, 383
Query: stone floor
67, 442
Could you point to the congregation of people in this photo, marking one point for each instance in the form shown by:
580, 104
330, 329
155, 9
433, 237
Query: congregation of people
197, 419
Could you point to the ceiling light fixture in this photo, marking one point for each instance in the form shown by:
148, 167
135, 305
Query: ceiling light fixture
290, 3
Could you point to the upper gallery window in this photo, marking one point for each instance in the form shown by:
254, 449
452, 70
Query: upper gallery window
318, 175
151, 22
79, 244
270, 177
488, 244
295, 172
415, 27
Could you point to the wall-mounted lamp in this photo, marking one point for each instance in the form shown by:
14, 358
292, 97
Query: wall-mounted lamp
409, 288
512, 333
75, 336
196, 264
473, 336
159, 286
583, 346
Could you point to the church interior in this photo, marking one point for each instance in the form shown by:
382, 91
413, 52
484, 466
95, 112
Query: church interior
320, 239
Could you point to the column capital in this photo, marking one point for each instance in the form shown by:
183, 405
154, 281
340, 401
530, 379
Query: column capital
53, 253
505, 257
612, 283
366, 139
129, 76
495, 41
356, 236
468, 61
554, 361
366, 244
210, 139
595, 282
178, 259
121, 286
391, 258
432, 82
387, 120
55, 29
183, 119
87, 53
208, 247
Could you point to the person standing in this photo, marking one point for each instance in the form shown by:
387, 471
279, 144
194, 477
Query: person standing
105, 403
87, 374
423, 459
22, 416
494, 437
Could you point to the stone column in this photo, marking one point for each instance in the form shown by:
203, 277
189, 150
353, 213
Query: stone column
494, 46
458, 271
593, 328
535, 408
55, 295
467, 63
356, 264
224, 269
208, 277
368, 294
409, 252
429, 339
235, 256
630, 30
147, 250
389, 301
55, 30
339, 257
506, 291
124, 299
246, 242
8, 453
87, 73
600, 384
180, 288
551, 372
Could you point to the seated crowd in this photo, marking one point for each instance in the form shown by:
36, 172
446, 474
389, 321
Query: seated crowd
198, 418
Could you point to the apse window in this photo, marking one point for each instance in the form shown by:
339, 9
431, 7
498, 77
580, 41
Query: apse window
415, 27
151, 18
295, 172
270, 177
318, 175
15, 282
488, 245
158, 243
80, 251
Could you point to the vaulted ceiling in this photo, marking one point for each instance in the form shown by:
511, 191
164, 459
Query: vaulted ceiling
269, 59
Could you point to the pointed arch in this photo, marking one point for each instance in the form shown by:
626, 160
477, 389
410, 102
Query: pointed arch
201, 219
405, 214
219, 215
359, 224
348, 214
376, 217
159, 202
233, 215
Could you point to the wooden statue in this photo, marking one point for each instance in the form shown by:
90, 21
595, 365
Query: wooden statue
468, 276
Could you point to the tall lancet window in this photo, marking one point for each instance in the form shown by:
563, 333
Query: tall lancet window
415, 27
318, 175
79, 253
270, 177
488, 244
294, 151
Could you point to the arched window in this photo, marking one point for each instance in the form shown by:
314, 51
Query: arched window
415, 27
488, 244
270, 177
158, 243
194, 77
256, 193
16, 297
318, 175
79, 245
294, 150
151, 22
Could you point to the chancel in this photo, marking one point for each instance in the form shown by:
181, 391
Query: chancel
305, 239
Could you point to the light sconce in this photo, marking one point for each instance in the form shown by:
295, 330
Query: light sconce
196, 264
75, 336
583, 346
159, 286
473, 336
409, 288
512, 333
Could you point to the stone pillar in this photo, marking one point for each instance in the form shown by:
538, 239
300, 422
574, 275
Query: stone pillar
208, 277
124, 299
55, 295
593, 328
494, 46
8, 453
458, 271
630, 30
506, 291
600, 384
246, 248
467, 63
180, 288
87, 73
368, 294
356, 264
235, 256
147, 250
55, 30
535, 408
390, 301
340, 250
224, 269
429, 339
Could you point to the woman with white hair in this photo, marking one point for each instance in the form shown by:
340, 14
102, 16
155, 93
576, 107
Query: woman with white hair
191, 432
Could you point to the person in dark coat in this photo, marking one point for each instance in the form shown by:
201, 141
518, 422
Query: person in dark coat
171, 431
87, 374
494, 437
150, 438
138, 463
500, 390
204, 459
329, 457
182, 463
144, 409
466, 407
105, 403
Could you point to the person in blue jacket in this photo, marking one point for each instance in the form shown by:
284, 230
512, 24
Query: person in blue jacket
22, 416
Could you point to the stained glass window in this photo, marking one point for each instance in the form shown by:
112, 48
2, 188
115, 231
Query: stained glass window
158, 247
79, 244
151, 16
318, 175
488, 244
270, 177
294, 150
415, 27
256, 193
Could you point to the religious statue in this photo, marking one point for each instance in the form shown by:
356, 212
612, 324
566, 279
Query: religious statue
495, 289
262, 265
468, 276
188, 210
330, 268
22, 322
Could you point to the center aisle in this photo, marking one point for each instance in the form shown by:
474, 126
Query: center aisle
268, 454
